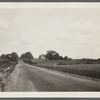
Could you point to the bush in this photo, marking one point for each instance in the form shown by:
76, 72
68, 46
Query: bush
27, 61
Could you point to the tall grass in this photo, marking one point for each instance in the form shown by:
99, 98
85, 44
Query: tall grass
5, 70
88, 70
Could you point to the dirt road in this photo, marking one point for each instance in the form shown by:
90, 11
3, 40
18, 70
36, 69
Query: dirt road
31, 78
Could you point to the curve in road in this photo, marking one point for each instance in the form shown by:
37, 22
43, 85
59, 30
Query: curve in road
30, 78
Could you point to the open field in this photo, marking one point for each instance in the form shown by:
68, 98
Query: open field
89, 70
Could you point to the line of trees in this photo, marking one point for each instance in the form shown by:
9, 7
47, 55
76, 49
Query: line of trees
53, 55
90, 61
13, 57
9, 57
50, 55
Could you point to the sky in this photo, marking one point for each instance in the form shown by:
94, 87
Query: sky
74, 32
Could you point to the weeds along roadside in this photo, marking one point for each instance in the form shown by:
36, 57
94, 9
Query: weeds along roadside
5, 71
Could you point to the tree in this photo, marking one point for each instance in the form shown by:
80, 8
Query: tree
56, 56
3, 56
52, 55
65, 58
27, 55
8, 56
39, 56
49, 56
13, 56
4, 59
61, 58
22, 56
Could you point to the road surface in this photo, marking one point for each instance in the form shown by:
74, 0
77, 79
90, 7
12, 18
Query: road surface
30, 78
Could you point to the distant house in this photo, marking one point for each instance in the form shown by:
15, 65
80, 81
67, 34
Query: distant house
42, 57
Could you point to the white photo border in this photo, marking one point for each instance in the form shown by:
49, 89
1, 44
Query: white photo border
49, 94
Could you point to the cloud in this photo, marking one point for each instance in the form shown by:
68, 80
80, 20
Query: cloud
3, 24
15, 43
69, 31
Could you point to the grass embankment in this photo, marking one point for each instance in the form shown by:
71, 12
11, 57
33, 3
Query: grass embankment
88, 70
5, 70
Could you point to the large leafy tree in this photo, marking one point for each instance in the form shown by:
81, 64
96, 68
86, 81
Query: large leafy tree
14, 56
27, 55
56, 56
8, 56
52, 55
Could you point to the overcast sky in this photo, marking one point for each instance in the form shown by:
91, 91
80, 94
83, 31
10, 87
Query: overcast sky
74, 32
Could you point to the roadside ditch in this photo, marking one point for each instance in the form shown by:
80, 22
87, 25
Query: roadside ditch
5, 75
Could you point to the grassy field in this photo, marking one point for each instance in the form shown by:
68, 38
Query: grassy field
89, 70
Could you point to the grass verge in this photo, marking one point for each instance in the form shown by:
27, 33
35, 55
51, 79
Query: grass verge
88, 71
5, 70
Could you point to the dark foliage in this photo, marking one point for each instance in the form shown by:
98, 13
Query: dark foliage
14, 56
9, 57
27, 55
53, 55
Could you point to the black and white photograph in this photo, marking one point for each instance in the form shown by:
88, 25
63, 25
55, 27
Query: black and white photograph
50, 49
